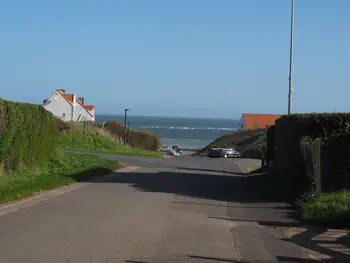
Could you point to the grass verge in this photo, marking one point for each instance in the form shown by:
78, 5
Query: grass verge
330, 210
62, 169
100, 144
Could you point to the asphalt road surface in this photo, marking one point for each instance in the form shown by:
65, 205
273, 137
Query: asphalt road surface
178, 209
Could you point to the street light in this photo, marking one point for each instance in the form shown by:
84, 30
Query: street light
125, 113
291, 59
128, 134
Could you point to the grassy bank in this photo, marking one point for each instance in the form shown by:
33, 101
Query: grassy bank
330, 210
99, 144
249, 143
61, 169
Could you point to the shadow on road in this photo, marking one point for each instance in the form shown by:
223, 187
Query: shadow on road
209, 170
227, 187
280, 259
199, 185
90, 174
333, 244
262, 222
301, 260
273, 206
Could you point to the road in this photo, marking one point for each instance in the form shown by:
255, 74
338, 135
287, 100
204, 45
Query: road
178, 209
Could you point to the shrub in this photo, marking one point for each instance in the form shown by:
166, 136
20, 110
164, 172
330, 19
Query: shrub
139, 139
144, 140
28, 135
60, 125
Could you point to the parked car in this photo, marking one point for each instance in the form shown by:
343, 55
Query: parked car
230, 152
223, 152
167, 149
214, 152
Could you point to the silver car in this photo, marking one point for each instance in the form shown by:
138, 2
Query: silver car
229, 152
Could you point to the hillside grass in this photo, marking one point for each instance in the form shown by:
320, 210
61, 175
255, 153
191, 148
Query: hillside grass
249, 143
61, 169
100, 144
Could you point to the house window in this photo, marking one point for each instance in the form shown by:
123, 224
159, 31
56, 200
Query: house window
63, 115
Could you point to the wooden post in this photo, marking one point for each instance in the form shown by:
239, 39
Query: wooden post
318, 168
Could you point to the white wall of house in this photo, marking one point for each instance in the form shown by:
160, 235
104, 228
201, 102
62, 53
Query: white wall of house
241, 124
80, 114
92, 112
62, 109
58, 106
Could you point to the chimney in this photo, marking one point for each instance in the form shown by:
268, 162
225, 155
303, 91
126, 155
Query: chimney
74, 98
81, 99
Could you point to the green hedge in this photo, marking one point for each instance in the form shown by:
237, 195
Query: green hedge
28, 135
270, 148
335, 162
290, 133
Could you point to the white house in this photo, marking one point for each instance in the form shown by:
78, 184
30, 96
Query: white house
68, 107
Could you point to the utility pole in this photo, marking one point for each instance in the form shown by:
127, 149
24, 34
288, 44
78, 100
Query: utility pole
125, 126
128, 134
291, 60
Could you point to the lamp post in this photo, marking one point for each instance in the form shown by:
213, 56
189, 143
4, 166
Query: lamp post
125, 113
128, 134
290, 91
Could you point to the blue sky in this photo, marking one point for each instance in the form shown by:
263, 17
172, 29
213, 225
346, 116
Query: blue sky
204, 58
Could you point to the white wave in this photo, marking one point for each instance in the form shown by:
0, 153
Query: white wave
188, 128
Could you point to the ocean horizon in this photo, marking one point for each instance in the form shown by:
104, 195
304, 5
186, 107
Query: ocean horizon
188, 132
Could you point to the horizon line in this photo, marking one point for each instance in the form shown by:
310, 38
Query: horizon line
159, 116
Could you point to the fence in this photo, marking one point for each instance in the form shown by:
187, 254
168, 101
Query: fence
327, 163
311, 152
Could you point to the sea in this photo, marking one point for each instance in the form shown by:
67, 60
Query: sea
190, 133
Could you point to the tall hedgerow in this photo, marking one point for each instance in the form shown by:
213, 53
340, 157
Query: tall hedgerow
27, 135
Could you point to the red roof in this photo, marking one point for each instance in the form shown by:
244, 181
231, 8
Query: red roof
69, 99
257, 121
89, 107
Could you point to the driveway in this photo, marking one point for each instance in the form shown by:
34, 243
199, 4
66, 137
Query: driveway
183, 209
